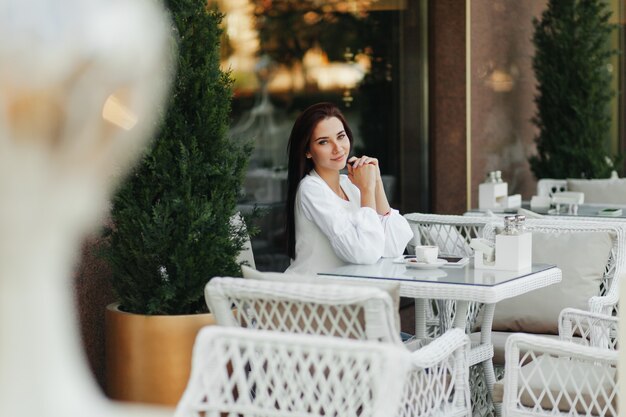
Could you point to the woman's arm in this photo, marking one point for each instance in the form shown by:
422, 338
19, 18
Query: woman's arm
396, 229
382, 205
398, 233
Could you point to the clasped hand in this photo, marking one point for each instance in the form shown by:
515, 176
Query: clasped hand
363, 172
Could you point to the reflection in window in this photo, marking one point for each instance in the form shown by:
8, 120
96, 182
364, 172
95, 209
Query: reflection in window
285, 55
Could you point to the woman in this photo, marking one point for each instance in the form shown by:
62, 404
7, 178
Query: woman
335, 219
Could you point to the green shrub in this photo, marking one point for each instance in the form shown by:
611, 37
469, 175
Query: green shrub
571, 63
171, 228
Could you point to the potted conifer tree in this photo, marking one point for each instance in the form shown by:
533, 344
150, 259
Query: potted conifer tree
571, 63
171, 226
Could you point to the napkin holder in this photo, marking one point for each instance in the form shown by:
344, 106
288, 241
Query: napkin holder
494, 195
513, 253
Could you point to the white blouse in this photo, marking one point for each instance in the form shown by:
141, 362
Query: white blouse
331, 231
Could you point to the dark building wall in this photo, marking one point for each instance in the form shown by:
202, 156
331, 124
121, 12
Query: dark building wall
503, 87
447, 106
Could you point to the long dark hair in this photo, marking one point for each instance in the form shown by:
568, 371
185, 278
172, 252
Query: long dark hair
299, 165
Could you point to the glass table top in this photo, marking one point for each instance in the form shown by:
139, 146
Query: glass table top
584, 210
386, 269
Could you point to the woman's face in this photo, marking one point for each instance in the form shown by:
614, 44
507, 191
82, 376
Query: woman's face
329, 146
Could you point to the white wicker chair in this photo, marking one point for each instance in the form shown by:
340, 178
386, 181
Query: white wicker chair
574, 376
334, 310
606, 301
241, 372
438, 381
548, 186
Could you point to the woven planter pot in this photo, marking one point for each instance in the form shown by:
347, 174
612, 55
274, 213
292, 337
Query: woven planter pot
148, 358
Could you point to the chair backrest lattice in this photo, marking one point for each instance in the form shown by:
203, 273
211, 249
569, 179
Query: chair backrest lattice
238, 371
452, 234
547, 378
331, 310
589, 329
288, 316
432, 386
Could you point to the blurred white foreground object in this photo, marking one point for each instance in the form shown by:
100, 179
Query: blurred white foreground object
81, 83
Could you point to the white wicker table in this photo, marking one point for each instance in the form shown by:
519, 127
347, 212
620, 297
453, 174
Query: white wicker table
463, 285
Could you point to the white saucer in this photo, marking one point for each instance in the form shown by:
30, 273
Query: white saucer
413, 263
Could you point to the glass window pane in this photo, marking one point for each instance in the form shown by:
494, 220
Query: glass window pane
286, 55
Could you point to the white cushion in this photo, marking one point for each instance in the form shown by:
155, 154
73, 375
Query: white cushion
582, 258
600, 191
391, 288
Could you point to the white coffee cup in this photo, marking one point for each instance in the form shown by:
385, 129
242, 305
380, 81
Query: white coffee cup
427, 254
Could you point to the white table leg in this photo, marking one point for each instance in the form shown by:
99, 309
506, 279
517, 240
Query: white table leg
460, 321
485, 339
420, 318
460, 316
